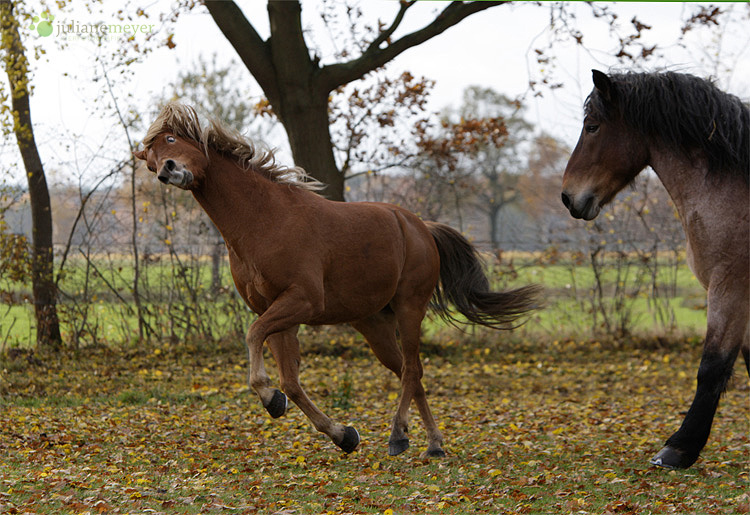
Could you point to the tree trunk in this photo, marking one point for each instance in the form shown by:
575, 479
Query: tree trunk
494, 211
42, 264
310, 140
302, 104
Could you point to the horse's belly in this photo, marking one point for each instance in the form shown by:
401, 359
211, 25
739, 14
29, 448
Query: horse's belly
357, 297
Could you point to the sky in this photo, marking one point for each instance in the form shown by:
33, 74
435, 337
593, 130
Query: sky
494, 48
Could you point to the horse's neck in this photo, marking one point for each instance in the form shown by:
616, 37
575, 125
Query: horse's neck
236, 200
686, 182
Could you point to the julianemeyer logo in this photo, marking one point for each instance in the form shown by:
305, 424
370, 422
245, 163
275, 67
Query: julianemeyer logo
74, 29
42, 24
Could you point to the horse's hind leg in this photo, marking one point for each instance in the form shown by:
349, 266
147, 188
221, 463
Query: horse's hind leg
380, 332
726, 333
409, 325
285, 349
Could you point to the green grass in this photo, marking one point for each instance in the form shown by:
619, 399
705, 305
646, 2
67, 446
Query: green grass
111, 317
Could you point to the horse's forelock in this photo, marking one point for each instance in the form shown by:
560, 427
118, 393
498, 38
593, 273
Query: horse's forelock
598, 107
180, 119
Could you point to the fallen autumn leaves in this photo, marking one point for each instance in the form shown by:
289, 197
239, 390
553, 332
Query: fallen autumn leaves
539, 428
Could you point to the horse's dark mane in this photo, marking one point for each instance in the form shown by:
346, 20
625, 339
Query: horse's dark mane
682, 112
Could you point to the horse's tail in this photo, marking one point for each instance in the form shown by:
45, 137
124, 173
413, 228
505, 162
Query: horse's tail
464, 284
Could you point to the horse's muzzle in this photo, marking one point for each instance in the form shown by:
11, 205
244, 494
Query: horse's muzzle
583, 206
177, 175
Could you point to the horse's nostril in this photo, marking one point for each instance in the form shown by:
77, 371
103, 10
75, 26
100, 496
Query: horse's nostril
170, 165
566, 200
163, 178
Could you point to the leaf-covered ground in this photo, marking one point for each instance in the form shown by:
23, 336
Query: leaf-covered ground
562, 427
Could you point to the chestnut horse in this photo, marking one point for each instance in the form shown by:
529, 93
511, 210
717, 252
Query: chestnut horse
697, 140
297, 258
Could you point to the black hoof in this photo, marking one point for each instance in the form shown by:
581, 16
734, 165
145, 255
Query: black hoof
671, 458
396, 447
435, 453
277, 406
350, 441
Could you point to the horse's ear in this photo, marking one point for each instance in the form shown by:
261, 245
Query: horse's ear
140, 154
604, 84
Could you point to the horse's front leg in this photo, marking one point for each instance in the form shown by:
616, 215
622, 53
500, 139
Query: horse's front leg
285, 349
289, 310
273, 400
725, 335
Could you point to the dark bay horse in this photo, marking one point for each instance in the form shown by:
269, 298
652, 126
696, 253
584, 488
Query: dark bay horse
697, 140
297, 258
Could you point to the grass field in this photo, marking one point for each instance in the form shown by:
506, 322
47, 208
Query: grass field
171, 293
542, 428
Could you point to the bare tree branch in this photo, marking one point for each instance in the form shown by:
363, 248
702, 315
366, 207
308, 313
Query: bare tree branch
335, 75
387, 33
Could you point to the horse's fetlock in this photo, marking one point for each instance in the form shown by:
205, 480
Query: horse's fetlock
260, 383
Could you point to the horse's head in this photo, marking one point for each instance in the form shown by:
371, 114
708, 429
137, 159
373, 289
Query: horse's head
608, 155
175, 160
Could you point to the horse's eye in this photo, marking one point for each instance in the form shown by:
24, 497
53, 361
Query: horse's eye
591, 128
170, 139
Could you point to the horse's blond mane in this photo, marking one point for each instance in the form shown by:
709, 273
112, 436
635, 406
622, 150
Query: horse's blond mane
183, 122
